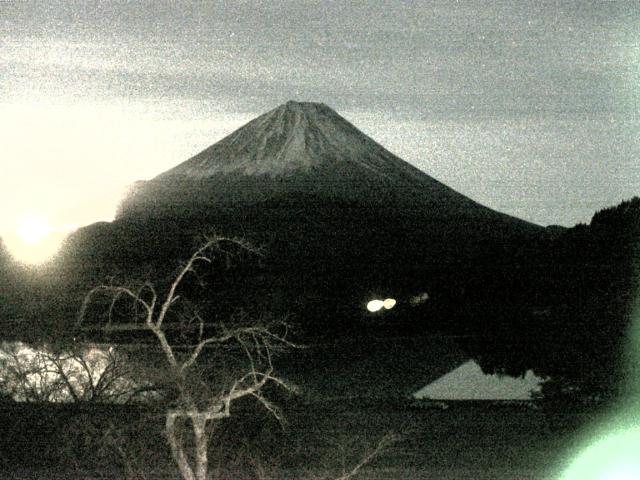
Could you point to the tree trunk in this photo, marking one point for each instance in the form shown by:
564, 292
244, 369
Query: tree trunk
176, 449
201, 440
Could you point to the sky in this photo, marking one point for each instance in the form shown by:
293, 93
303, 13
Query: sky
530, 108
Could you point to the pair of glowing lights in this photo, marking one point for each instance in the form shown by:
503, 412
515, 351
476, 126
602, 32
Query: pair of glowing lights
377, 305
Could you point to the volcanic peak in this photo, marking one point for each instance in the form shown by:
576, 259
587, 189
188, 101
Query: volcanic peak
292, 138
298, 155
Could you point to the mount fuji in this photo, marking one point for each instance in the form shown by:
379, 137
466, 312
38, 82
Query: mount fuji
297, 152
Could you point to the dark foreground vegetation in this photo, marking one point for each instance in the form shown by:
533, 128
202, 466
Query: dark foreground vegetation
561, 305
320, 440
583, 287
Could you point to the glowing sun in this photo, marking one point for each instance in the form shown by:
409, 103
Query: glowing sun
33, 229
33, 240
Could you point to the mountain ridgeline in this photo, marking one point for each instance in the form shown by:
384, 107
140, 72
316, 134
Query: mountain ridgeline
298, 153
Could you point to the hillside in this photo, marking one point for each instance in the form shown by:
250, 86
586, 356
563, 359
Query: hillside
580, 329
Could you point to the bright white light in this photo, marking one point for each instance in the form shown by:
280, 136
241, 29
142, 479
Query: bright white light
33, 229
623, 473
32, 240
613, 457
375, 305
389, 303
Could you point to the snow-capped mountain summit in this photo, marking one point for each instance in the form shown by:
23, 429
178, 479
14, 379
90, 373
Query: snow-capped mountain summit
299, 149
294, 137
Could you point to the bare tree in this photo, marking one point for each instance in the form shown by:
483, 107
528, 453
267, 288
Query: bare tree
77, 373
26, 376
199, 401
92, 374
382, 446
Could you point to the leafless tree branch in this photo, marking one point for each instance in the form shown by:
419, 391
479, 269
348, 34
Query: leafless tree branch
256, 340
383, 444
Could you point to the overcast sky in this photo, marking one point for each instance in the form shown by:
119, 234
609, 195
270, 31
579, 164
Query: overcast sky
527, 107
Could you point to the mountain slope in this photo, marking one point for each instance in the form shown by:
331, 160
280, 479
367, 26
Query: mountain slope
297, 153
301, 138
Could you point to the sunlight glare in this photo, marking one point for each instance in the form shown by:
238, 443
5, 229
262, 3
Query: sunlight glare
33, 229
33, 240
613, 458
